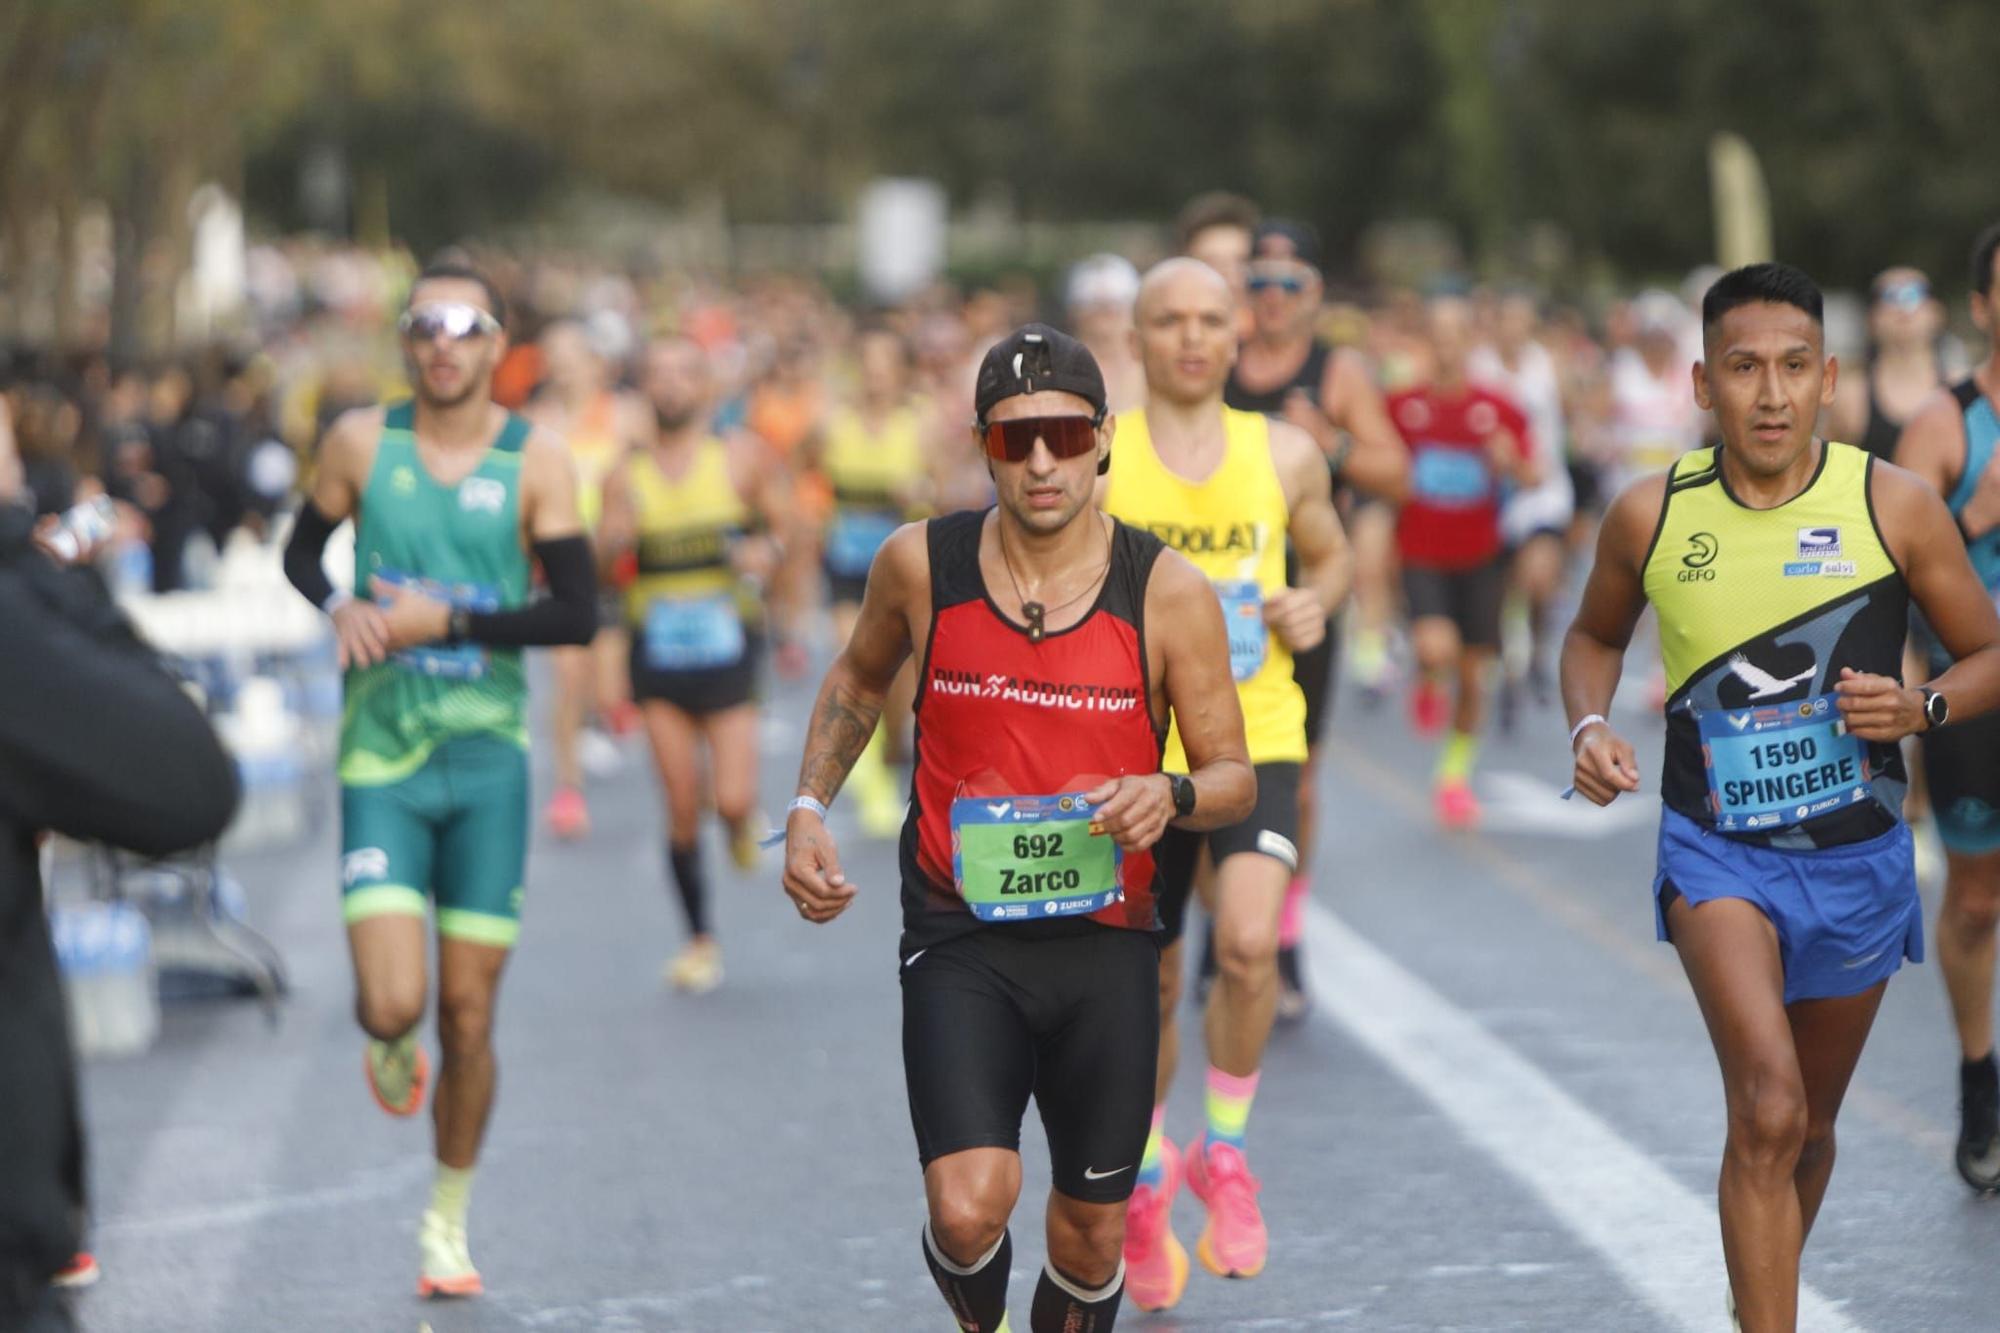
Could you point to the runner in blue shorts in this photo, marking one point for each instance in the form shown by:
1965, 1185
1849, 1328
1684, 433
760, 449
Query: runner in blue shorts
1782, 568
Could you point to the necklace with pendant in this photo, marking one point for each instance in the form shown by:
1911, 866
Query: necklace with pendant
1035, 613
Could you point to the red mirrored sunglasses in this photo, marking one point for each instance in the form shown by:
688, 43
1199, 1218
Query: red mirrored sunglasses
1066, 436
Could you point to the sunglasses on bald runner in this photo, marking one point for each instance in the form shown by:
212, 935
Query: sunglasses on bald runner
454, 319
1067, 437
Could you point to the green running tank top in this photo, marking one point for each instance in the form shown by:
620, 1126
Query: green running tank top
461, 544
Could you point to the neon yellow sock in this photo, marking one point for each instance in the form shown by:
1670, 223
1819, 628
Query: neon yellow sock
1455, 764
871, 766
451, 1192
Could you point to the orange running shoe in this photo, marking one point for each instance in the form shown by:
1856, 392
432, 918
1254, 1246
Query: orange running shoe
398, 1073
1235, 1242
447, 1262
1156, 1263
82, 1272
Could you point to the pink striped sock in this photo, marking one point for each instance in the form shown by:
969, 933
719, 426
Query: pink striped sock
1292, 920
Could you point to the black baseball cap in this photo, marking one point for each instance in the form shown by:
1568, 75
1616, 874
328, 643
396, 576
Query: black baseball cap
1282, 238
1032, 359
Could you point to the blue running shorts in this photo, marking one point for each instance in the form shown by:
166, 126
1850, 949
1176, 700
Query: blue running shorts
1846, 916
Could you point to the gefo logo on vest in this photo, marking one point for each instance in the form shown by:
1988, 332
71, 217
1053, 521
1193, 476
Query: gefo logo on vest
1701, 553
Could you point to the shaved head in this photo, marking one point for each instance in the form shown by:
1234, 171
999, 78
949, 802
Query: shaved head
1185, 332
1178, 274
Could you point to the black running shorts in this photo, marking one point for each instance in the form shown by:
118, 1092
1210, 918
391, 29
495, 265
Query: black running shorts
990, 1017
1271, 830
1469, 598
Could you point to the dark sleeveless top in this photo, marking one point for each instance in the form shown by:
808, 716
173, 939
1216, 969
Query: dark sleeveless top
1310, 376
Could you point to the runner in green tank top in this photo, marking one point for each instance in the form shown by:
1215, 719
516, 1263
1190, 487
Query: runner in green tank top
449, 494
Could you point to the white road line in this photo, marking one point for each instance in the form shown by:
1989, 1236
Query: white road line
1662, 1240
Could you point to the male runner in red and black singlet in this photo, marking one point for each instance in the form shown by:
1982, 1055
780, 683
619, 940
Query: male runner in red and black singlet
1029, 959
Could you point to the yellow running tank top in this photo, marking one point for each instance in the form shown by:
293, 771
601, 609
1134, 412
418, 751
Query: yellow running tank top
685, 530
869, 468
1759, 610
1232, 525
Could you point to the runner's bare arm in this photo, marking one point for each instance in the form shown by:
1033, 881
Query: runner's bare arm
1593, 653
850, 704
1326, 564
548, 490
1932, 443
1943, 584
850, 701
1201, 695
346, 453
1376, 460
617, 520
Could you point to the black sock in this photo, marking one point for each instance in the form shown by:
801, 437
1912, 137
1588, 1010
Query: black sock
978, 1297
686, 863
1064, 1305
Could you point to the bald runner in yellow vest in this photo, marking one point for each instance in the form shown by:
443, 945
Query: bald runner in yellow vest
1226, 489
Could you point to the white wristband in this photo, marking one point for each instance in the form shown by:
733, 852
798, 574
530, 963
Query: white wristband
335, 600
812, 803
1593, 720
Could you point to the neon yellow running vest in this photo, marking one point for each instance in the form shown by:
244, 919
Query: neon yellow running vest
1232, 525
1759, 610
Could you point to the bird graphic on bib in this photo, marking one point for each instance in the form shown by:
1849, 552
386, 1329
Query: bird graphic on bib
1764, 685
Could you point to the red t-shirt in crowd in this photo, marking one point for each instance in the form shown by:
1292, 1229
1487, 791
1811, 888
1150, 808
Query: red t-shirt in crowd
1452, 518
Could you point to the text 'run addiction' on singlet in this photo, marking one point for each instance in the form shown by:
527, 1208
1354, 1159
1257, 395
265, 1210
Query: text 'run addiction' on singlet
998, 715
687, 607
1759, 610
1231, 525
460, 544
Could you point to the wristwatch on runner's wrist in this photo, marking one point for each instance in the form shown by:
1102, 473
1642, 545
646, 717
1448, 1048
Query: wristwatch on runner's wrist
458, 626
1937, 711
1183, 791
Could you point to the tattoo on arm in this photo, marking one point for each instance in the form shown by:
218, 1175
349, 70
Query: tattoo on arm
842, 724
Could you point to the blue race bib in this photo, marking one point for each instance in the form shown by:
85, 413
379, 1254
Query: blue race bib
1450, 478
446, 661
1781, 765
1243, 617
854, 537
693, 634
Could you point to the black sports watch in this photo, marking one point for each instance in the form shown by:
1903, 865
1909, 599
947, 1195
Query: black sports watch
1183, 790
459, 625
1937, 710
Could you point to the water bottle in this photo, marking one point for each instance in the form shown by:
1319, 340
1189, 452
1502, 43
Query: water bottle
106, 954
83, 527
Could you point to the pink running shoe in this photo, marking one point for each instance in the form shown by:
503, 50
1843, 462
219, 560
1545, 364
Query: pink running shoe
1234, 1243
1156, 1263
1457, 808
1430, 709
568, 816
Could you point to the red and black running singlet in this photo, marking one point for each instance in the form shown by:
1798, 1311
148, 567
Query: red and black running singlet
1035, 717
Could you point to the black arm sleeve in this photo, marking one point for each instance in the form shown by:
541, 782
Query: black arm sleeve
567, 615
305, 551
96, 741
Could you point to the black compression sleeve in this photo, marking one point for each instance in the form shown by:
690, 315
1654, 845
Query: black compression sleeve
304, 553
567, 615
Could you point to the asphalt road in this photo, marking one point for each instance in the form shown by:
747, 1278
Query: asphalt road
1502, 1113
